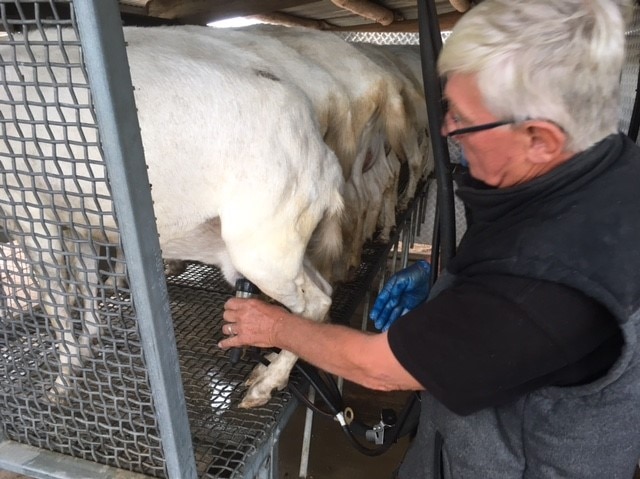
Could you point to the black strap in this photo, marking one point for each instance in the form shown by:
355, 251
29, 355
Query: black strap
437, 456
634, 123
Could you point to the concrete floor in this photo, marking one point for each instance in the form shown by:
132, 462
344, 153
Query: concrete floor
332, 456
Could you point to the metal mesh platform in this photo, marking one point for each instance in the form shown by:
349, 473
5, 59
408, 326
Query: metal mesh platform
227, 440
108, 417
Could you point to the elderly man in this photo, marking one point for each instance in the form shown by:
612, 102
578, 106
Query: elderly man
527, 348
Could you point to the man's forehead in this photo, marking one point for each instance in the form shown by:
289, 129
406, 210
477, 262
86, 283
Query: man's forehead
462, 89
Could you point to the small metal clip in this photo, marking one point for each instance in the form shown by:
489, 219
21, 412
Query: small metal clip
376, 433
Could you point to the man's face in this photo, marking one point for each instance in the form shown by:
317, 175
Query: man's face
496, 156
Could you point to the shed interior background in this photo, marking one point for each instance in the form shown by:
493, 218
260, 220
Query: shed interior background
117, 417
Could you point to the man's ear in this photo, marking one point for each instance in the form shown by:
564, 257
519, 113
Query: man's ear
547, 142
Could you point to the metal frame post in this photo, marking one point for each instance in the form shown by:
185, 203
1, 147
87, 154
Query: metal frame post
100, 30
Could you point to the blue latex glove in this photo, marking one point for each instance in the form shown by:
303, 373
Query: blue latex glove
404, 291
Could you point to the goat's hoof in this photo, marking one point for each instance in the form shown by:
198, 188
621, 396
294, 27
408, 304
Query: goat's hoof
260, 370
260, 391
384, 236
255, 376
251, 402
174, 267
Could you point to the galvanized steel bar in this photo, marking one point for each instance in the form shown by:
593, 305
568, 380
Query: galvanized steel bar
103, 44
41, 463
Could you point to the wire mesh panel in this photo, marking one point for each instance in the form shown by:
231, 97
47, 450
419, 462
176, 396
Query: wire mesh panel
73, 373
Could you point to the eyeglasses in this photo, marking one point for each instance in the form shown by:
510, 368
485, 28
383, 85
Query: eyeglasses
477, 128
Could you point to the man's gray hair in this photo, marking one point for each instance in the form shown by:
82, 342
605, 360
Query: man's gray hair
558, 60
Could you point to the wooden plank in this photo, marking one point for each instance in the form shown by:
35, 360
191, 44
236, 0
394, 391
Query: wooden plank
368, 10
447, 21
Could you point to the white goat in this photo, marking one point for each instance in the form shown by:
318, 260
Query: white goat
240, 178
393, 59
329, 98
377, 115
408, 62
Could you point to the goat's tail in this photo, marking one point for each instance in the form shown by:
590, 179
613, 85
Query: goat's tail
326, 245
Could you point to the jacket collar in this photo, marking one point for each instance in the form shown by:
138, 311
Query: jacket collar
487, 203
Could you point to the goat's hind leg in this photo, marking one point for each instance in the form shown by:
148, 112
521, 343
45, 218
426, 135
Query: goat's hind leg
49, 277
90, 291
265, 379
313, 302
64, 279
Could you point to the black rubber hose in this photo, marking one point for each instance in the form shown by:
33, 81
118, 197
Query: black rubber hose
328, 391
430, 46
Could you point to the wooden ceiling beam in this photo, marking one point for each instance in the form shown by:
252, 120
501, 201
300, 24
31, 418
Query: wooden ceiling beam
368, 10
278, 18
446, 21
270, 11
461, 5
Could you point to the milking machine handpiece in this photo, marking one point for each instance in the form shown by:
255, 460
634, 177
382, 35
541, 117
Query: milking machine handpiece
244, 289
